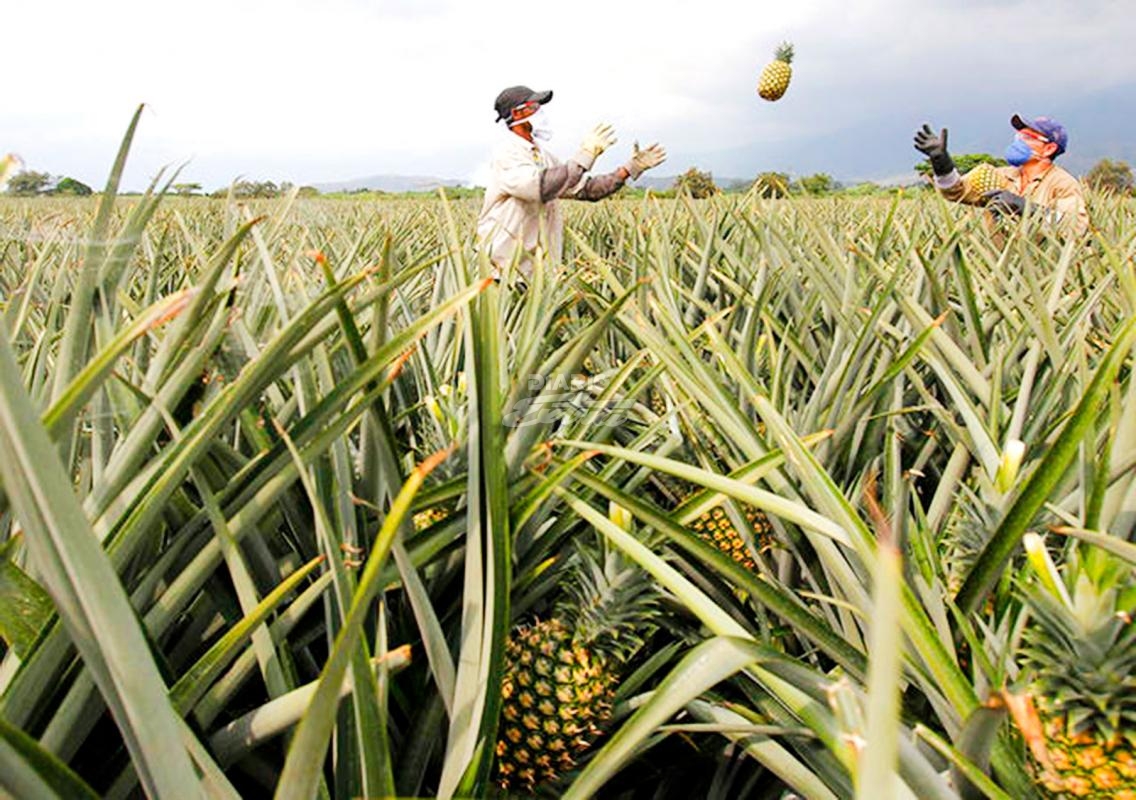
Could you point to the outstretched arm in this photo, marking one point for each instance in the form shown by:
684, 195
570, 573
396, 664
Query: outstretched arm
600, 186
946, 176
563, 180
597, 187
555, 181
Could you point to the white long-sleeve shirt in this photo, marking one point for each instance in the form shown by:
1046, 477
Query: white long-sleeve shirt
525, 182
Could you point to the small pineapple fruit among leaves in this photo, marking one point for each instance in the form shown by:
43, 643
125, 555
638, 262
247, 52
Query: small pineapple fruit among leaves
716, 528
431, 516
775, 77
657, 402
561, 673
984, 178
588, 276
1080, 658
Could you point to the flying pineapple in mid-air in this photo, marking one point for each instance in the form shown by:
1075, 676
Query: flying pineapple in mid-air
775, 77
561, 673
1079, 717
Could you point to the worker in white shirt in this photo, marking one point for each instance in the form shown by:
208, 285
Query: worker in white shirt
528, 180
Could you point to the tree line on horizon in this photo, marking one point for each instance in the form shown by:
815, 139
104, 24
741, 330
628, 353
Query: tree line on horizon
1109, 175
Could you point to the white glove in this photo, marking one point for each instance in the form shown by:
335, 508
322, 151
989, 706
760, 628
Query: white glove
601, 138
643, 160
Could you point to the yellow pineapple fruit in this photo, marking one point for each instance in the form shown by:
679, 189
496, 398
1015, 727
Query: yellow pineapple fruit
775, 77
555, 697
984, 178
1079, 715
715, 527
588, 276
561, 673
431, 516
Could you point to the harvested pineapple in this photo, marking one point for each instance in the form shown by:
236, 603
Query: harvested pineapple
775, 77
984, 178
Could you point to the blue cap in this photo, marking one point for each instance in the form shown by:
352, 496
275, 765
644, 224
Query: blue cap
1050, 128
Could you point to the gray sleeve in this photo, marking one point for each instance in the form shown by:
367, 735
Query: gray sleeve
555, 180
597, 187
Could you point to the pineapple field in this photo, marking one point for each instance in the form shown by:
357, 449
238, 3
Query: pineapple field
745, 498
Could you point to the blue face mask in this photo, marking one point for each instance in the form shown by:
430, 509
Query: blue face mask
1018, 152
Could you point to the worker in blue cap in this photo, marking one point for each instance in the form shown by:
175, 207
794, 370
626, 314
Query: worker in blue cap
1031, 181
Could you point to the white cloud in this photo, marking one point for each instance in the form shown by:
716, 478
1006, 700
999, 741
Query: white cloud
322, 91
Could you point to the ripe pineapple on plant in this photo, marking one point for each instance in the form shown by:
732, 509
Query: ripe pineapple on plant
1079, 718
775, 77
716, 527
656, 402
430, 516
561, 673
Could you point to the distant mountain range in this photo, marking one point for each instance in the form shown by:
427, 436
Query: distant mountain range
388, 183
426, 183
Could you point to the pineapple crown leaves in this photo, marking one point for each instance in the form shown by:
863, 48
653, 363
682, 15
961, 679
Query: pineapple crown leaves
1081, 655
610, 604
784, 52
1094, 585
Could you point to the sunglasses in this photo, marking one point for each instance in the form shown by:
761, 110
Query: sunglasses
1027, 134
525, 110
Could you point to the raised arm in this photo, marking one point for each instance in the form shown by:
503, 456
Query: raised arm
947, 178
598, 187
562, 180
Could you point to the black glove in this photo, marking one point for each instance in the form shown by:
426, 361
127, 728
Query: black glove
1002, 201
935, 148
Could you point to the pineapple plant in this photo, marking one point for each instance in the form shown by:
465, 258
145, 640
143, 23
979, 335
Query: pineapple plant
1079, 715
588, 276
775, 77
561, 672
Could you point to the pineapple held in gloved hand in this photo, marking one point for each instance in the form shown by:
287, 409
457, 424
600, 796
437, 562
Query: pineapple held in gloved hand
984, 179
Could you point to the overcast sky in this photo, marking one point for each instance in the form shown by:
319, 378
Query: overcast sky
317, 92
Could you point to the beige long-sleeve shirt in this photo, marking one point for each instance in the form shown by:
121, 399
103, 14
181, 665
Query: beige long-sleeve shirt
526, 182
1055, 189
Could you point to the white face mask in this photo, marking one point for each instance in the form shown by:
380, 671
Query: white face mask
541, 126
